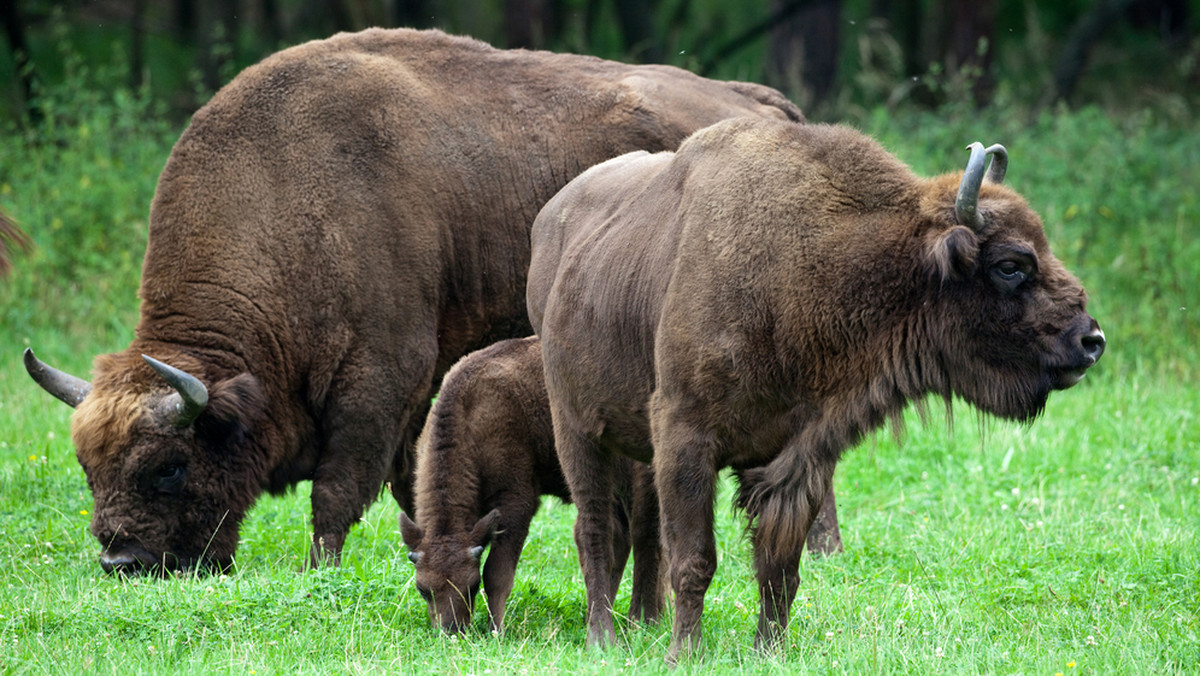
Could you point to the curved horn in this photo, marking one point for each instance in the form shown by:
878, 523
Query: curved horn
999, 163
69, 389
966, 206
191, 393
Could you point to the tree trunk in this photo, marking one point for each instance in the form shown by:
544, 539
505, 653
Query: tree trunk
272, 23
1084, 34
218, 40
964, 38
804, 50
413, 14
904, 19
137, 41
14, 28
529, 23
636, 19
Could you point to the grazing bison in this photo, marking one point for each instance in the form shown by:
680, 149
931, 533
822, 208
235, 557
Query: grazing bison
759, 300
335, 228
484, 459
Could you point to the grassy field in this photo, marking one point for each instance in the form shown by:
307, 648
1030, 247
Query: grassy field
1067, 546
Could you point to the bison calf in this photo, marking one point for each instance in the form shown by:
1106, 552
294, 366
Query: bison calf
484, 459
759, 300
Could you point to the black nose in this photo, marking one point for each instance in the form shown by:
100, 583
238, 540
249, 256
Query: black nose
120, 563
1093, 342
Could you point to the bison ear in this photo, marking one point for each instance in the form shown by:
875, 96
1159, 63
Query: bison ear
953, 254
412, 534
485, 528
235, 405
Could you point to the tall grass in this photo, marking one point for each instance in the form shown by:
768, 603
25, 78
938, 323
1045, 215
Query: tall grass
1065, 546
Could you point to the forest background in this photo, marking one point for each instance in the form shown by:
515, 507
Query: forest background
1065, 546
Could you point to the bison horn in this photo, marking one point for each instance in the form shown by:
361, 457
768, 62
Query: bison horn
66, 387
966, 206
190, 396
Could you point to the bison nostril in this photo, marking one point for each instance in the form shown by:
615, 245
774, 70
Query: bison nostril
1093, 344
120, 564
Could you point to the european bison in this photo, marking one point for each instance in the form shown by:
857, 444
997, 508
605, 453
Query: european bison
759, 300
334, 229
484, 459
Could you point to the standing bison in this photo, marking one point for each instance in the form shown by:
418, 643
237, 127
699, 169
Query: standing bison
484, 459
334, 229
759, 300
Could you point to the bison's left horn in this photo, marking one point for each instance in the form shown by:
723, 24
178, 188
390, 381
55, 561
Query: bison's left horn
65, 386
191, 395
966, 207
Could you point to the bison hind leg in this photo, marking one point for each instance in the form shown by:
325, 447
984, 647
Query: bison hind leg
647, 595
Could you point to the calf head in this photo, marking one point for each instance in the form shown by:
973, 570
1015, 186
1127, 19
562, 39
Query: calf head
448, 568
165, 460
1006, 320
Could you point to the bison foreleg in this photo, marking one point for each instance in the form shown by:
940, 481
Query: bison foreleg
685, 478
346, 482
787, 507
589, 474
825, 538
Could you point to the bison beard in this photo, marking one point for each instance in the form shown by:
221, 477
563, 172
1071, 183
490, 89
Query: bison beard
759, 300
336, 227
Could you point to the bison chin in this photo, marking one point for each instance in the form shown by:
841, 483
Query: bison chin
134, 560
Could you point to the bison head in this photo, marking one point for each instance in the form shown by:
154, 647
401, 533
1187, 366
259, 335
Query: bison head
448, 569
164, 458
1010, 323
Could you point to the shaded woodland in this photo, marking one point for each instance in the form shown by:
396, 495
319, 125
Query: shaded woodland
825, 54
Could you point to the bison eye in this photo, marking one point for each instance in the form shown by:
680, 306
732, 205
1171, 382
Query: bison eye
169, 478
1009, 274
424, 593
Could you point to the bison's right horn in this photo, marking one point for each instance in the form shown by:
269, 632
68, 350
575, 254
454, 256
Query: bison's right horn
966, 206
66, 387
191, 395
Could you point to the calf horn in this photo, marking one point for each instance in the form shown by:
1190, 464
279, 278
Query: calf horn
966, 206
69, 389
190, 398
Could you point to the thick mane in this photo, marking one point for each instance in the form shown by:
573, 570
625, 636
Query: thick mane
102, 423
448, 489
123, 386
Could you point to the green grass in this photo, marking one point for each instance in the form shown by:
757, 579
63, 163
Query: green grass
1065, 546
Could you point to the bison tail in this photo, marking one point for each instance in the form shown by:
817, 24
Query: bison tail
781, 500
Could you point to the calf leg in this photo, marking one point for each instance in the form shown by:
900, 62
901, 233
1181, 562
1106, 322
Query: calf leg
501, 566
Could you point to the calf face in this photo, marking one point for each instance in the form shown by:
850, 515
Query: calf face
447, 569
